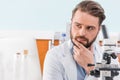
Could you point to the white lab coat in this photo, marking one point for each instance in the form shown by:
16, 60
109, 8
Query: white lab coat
60, 65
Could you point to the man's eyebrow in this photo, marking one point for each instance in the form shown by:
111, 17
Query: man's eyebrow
78, 23
85, 25
90, 26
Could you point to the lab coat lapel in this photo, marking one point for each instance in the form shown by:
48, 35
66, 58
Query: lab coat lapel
69, 64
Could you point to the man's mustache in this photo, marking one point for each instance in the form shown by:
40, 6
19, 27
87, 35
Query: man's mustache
81, 37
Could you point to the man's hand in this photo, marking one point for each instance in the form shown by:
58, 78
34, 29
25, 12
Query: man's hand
83, 56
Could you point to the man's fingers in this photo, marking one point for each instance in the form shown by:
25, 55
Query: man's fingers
79, 45
76, 50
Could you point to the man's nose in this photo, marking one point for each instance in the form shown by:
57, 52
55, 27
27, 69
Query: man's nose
82, 32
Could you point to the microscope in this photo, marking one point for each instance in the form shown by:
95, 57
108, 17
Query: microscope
106, 70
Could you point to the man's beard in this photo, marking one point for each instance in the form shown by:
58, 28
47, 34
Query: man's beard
87, 45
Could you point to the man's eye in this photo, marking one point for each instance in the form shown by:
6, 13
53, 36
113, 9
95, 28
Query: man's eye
78, 26
90, 28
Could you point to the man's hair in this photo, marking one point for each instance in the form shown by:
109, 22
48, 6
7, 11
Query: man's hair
92, 8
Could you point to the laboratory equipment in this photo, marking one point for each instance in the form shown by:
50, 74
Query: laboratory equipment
106, 69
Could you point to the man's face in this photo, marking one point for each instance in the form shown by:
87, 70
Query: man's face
84, 28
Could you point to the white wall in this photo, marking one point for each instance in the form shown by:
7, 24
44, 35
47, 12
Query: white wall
49, 15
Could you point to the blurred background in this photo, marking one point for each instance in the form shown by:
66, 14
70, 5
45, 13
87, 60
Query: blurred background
49, 15
29, 28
